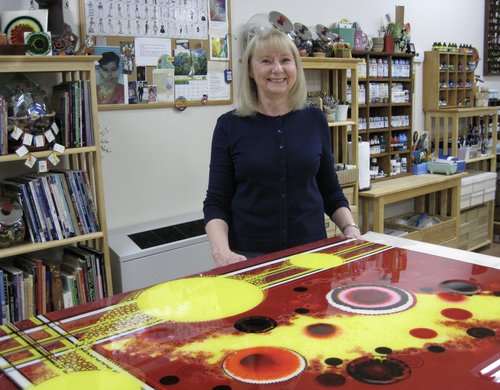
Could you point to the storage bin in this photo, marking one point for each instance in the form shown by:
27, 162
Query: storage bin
403, 231
435, 234
419, 169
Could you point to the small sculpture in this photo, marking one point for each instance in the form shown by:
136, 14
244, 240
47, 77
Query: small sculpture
63, 39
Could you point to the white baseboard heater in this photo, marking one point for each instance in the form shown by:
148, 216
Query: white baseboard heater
155, 252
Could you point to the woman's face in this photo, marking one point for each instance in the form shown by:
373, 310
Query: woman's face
109, 71
274, 72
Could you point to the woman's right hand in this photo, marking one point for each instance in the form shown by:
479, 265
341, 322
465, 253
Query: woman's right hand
227, 257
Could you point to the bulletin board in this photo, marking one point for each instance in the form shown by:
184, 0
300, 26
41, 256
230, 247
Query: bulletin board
491, 64
172, 53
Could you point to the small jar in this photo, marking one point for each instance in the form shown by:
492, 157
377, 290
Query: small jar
12, 226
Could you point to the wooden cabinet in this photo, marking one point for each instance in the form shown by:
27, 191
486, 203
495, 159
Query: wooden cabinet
386, 109
435, 195
338, 77
49, 71
448, 80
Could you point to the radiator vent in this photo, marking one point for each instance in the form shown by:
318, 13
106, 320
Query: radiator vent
168, 234
158, 251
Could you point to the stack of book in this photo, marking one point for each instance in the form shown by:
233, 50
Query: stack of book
71, 100
33, 285
56, 205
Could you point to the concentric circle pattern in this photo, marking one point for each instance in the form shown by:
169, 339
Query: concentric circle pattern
370, 299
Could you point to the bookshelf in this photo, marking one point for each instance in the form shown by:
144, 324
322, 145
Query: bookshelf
339, 77
50, 71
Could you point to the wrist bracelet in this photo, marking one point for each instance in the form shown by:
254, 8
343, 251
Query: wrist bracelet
349, 225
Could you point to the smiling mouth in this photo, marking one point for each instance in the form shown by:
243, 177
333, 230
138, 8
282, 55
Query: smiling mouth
277, 80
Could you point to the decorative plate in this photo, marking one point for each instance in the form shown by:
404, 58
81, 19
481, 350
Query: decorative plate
16, 28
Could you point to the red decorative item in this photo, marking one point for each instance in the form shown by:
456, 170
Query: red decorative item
389, 43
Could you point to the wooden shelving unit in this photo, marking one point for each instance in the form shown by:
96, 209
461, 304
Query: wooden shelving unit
53, 70
336, 75
445, 127
387, 116
448, 80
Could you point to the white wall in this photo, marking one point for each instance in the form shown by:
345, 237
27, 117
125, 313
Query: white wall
158, 165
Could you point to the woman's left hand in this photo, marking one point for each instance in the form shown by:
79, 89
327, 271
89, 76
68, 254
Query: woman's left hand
352, 232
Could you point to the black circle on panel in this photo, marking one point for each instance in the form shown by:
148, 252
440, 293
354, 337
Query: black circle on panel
378, 371
333, 361
222, 387
300, 289
255, 324
301, 310
480, 333
463, 287
169, 380
331, 380
436, 349
383, 350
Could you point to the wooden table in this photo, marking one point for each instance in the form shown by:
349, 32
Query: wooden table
410, 187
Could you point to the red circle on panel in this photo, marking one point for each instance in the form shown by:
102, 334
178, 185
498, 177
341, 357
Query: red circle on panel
456, 314
423, 333
452, 297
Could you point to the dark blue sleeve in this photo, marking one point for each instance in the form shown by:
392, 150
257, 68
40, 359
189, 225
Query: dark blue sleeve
217, 203
328, 182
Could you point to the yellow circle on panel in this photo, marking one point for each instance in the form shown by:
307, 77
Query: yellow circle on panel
199, 299
316, 260
83, 380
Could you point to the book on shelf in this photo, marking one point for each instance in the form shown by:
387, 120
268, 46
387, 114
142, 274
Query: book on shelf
16, 291
54, 297
34, 265
77, 267
40, 209
32, 208
4, 136
9, 299
56, 205
73, 102
70, 289
18, 192
100, 270
3, 303
86, 261
60, 203
48, 201
29, 295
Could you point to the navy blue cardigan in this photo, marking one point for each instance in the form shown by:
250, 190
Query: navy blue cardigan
272, 179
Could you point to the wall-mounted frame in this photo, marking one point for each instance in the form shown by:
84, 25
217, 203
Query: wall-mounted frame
171, 53
491, 64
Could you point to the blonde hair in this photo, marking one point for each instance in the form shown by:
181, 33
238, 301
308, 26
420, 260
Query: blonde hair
273, 39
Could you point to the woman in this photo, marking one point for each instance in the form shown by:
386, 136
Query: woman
109, 90
272, 175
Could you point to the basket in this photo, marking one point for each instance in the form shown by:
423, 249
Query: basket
348, 175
